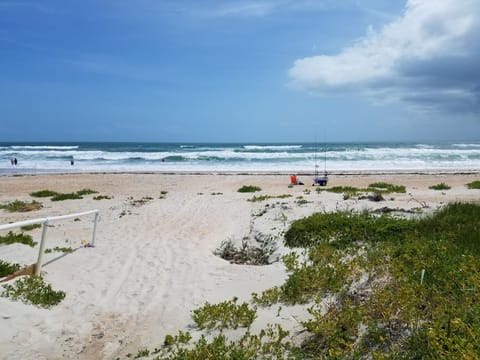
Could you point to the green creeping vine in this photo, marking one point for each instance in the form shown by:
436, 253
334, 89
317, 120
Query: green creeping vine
33, 290
225, 315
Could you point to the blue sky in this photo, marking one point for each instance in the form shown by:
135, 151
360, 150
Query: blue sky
256, 71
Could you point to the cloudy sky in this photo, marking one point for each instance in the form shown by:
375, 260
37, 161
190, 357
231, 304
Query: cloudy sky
226, 71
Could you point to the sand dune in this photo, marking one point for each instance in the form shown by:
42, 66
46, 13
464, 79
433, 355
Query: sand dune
153, 263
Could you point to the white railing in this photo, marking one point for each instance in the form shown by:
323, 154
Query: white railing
45, 222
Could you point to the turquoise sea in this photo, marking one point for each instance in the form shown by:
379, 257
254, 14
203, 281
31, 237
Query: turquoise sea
238, 157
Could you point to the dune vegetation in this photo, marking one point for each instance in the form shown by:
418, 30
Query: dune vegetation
398, 288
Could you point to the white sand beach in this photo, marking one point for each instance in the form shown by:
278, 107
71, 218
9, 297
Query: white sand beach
153, 261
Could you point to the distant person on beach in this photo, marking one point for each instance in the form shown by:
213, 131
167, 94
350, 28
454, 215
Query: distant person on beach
12, 162
294, 180
15, 161
72, 162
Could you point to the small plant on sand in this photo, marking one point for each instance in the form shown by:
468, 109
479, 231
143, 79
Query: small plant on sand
73, 196
33, 290
302, 201
86, 192
441, 186
142, 353
259, 198
21, 206
270, 343
267, 197
247, 253
474, 185
7, 268
383, 187
102, 197
225, 315
66, 250
268, 297
350, 190
249, 189
12, 238
30, 227
66, 196
139, 202
163, 194
181, 338
376, 197
44, 193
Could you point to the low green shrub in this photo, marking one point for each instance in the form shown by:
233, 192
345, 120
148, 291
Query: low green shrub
102, 197
21, 206
225, 315
268, 297
163, 194
267, 197
44, 193
474, 184
350, 190
7, 268
73, 196
345, 227
66, 250
383, 187
420, 298
269, 343
86, 192
30, 227
181, 338
33, 290
247, 253
302, 201
142, 353
441, 186
66, 196
249, 189
12, 238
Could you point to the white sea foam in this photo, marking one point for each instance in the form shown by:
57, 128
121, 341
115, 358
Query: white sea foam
211, 157
41, 147
272, 147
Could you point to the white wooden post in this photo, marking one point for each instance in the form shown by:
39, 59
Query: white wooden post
94, 228
38, 266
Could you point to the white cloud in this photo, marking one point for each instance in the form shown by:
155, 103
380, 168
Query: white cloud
427, 57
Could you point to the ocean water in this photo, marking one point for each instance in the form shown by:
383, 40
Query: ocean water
216, 157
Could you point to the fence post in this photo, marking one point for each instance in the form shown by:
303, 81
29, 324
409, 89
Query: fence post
94, 228
38, 266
